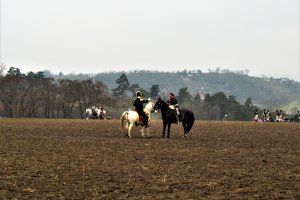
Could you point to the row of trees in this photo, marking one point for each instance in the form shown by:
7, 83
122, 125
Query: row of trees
34, 95
215, 107
124, 87
221, 107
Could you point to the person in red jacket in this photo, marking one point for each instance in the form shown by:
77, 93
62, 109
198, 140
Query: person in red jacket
173, 104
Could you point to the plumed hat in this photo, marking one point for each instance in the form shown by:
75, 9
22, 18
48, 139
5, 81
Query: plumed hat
138, 94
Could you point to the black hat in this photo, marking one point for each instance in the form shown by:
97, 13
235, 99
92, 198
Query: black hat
138, 94
172, 94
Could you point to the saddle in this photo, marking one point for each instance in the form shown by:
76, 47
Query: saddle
177, 111
175, 107
141, 119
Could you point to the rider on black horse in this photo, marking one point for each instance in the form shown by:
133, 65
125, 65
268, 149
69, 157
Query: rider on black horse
173, 104
139, 108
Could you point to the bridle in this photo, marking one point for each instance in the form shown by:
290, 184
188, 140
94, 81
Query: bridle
157, 106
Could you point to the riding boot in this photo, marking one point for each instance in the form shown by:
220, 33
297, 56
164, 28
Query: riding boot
180, 117
146, 122
177, 119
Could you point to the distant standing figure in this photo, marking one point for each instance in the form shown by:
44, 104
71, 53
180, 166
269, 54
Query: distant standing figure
280, 115
264, 115
277, 115
298, 116
256, 115
268, 115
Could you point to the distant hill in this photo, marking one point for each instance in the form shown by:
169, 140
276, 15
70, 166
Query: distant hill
263, 91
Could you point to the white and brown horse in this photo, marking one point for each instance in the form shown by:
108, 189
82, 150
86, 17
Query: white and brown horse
130, 118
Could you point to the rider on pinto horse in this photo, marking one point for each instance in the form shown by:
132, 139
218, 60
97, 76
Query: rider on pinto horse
139, 108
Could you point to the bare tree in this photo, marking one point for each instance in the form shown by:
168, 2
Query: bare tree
90, 93
13, 92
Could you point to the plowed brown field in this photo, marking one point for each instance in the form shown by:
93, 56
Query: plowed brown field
81, 159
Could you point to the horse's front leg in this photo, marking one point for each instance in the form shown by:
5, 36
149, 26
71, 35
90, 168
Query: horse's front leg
185, 128
148, 132
164, 129
169, 128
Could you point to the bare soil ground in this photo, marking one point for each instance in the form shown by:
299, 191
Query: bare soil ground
81, 159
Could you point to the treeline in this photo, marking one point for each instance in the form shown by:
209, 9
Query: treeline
204, 106
264, 91
35, 95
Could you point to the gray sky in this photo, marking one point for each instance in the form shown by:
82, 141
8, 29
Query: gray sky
93, 36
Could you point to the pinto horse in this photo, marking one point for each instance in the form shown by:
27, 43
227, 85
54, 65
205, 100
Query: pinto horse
130, 118
90, 115
169, 117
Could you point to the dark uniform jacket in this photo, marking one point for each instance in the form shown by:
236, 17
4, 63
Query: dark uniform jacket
138, 103
173, 101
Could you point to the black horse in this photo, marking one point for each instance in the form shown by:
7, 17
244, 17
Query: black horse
169, 117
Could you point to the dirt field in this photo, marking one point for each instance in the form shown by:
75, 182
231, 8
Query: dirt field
80, 159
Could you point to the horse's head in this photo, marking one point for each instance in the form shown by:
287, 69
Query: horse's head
88, 110
158, 104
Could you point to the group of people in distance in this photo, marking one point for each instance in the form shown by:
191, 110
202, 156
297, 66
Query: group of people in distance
277, 116
266, 116
98, 111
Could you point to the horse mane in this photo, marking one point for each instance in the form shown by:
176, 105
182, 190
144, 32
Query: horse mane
149, 102
164, 103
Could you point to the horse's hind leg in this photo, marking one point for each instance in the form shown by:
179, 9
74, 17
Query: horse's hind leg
126, 129
169, 128
129, 129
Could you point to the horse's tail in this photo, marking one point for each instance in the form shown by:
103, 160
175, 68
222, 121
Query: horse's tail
123, 119
190, 121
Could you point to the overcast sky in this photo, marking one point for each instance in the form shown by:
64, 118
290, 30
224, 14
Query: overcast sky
92, 36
